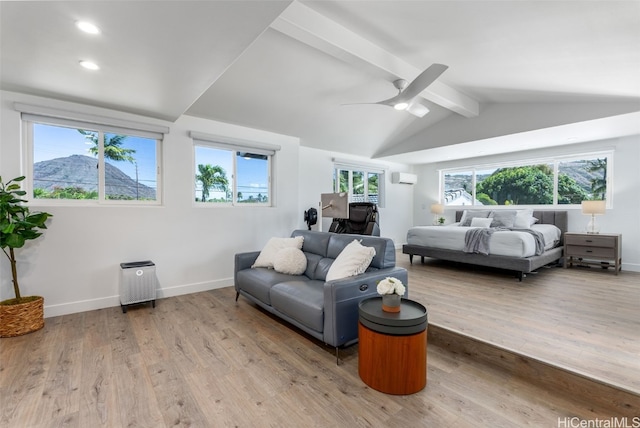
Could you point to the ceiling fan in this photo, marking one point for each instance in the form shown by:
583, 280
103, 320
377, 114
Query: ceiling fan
408, 91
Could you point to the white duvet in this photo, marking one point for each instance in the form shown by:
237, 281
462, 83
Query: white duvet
503, 243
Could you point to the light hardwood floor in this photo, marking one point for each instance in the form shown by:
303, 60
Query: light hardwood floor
203, 360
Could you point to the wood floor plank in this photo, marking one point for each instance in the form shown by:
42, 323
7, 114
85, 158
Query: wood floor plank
137, 403
174, 397
98, 395
61, 393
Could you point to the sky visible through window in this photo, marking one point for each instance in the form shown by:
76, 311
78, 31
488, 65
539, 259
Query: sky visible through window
52, 142
252, 173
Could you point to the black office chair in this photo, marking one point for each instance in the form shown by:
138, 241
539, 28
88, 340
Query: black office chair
363, 220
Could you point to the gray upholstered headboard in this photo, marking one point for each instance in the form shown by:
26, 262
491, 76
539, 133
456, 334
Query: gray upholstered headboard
558, 218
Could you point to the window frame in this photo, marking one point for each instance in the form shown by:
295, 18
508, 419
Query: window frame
234, 146
94, 124
554, 161
366, 170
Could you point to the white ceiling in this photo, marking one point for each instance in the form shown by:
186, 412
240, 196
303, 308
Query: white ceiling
522, 74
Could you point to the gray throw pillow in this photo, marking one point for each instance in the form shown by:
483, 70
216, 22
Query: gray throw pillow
503, 218
468, 215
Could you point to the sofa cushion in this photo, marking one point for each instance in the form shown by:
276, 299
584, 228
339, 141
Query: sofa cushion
290, 260
258, 281
322, 269
354, 259
312, 266
268, 253
301, 300
314, 242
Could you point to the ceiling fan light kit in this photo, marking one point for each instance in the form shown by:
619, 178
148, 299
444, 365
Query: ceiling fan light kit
417, 109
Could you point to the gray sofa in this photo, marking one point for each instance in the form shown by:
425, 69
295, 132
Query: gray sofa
327, 310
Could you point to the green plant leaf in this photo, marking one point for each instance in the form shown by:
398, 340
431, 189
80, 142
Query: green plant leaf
15, 241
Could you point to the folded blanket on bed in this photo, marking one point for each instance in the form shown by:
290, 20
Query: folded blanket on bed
537, 237
478, 240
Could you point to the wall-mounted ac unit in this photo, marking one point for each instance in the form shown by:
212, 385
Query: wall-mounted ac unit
403, 178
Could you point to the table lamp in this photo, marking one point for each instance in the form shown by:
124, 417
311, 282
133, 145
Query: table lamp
593, 208
437, 210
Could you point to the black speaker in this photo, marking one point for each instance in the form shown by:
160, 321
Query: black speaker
311, 217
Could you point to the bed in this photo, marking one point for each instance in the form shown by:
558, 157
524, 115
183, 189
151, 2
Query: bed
507, 251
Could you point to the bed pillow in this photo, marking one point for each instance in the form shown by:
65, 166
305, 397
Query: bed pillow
481, 222
524, 219
290, 260
467, 215
270, 250
353, 260
504, 218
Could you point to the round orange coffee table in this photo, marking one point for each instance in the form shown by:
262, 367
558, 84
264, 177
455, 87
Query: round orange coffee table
392, 349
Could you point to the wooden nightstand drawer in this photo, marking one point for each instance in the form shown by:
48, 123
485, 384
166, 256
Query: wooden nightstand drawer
591, 240
591, 252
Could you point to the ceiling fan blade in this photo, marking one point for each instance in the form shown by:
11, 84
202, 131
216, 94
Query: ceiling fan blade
418, 85
423, 80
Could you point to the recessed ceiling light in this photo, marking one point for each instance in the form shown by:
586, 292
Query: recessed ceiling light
87, 27
89, 65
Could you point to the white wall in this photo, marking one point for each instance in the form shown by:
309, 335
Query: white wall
75, 266
623, 217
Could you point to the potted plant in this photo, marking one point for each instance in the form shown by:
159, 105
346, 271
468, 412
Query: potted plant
20, 315
441, 220
391, 289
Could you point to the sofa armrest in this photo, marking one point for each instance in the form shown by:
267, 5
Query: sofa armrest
243, 261
341, 300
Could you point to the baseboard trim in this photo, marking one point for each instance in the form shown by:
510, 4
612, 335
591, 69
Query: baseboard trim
111, 301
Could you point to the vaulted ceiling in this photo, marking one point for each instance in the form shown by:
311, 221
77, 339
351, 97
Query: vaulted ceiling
522, 74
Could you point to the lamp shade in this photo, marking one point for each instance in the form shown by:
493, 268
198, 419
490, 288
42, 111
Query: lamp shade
437, 208
594, 207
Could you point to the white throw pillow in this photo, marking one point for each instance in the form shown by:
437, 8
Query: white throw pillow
523, 219
481, 222
290, 260
353, 260
269, 252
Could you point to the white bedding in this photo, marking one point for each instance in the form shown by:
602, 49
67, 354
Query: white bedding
503, 243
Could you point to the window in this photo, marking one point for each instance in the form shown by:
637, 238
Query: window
76, 160
232, 173
363, 184
562, 181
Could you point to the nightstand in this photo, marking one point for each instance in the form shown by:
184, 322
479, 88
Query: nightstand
602, 249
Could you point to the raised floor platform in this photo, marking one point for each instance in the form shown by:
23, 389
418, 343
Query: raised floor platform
573, 329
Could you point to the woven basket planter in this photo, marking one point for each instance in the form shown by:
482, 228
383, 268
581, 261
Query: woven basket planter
23, 318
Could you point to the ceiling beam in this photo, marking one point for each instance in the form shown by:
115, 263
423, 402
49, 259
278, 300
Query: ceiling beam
310, 27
